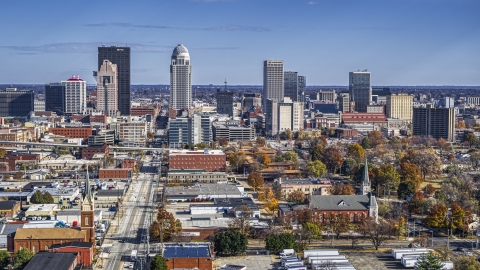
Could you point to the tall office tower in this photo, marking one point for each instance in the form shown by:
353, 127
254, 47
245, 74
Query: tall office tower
107, 88
282, 115
327, 95
273, 83
180, 79
250, 100
344, 102
16, 103
193, 129
302, 84
55, 98
121, 57
360, 90
290, 85
400, 106
435, 122
225, 102
75, 95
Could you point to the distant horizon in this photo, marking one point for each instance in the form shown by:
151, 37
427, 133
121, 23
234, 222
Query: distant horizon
407, 42
259, 85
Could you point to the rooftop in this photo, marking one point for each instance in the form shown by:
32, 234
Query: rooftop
42, 207
197, 152
204, 189
187, 250
73, 244
7, 205
340, 202
49, 233
305, 181
51, 260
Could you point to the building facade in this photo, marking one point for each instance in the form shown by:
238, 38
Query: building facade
400, 106
225, 102
282, 115
72, 132
55, 98
290, 85
273, 81
193, 129
344, 102
119, 56
233, 132
107, 88
473, 100
133, 134
15, 102
122, 173
327, 95
180, 79
360, 90
75, 95
435, 122
208, 160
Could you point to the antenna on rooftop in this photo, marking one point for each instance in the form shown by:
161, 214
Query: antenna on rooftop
225, 84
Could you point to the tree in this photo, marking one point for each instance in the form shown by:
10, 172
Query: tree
457, 215
365, 143
37, 197
261, 142
21, 258
47, 198
316, 152
255, 180
429, 261
342, 189
166, 226
377, 233
356, 152
272, 205
405, 189
337, 223
276, 242
429, 189
293, 157
288, 134
436, 216
222, 141
388, 177
230, 242
18, 175
333, 159
296, 196
466, 263
241, 222
375, 138
3, 152
428, 162
4, 258
265, 159
348, 166
471, 139
461, 124
316, 168
158, 263
236, 159
314, 230
410, 172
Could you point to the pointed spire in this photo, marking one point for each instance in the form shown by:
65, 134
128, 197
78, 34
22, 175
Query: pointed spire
366, 179
88, 189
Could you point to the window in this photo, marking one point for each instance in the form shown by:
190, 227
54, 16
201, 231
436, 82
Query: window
34, 249
86, 220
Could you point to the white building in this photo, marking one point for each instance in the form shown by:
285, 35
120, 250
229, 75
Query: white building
283, 115
39, 105
180, 79
131, 133
75, 95
107, 88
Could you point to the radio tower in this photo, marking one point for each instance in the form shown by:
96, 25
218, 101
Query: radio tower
225, 84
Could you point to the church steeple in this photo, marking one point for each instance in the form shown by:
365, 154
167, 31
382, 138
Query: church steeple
87, 213
365, 180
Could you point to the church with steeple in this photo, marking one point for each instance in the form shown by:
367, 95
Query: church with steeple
87, 215
365, 187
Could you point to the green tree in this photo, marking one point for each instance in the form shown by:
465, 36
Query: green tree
37, 197
405, 189
388, 177
365, 143
4, 258
292, 156
47, 198
230, 242
314, 231
21, 258
466, 263
429, 261
348, 166
158, 263
316, 168
471, 139
275, 242
288, 134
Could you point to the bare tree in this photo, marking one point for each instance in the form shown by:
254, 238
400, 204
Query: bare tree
377, 233
241, 222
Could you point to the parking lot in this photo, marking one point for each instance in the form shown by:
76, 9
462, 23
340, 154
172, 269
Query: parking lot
251, 262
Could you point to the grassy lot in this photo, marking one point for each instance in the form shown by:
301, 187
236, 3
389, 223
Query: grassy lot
436, 183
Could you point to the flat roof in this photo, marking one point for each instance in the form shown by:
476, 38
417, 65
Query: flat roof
187, 250
42, 207
204, 189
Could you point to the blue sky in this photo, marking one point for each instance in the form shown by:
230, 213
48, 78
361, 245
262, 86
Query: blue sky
402, 42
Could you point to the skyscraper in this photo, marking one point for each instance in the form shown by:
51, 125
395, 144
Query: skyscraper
282, 115
55, 98
302, 84
121, 57
180, 79
435, 122
107, 88
400, 106
360, 90
290, 79
224, 102
16, 103
75, 95
273, 82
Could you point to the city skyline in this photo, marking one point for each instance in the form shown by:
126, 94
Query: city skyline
401, 43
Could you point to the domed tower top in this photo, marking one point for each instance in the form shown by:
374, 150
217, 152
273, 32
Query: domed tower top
180, 50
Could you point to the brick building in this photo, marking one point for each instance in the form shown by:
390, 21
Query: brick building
72, 132
84, 250
13, 158
128, 163
88, 152
9, 208
144, 110
188, 256
57, 261
209, 160
118, 173
41, 239
355, 207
